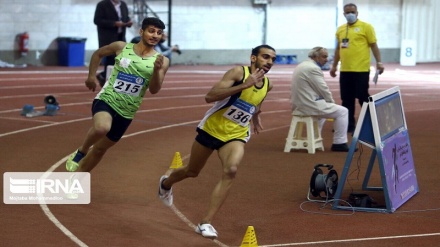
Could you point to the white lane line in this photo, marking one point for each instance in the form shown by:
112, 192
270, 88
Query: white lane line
75, 239
42, 72
52, 217
43, 126
190, 224
354, 240
182, 217
38, 95
87, 118
68, 233
41, 86
27, 119
43, 107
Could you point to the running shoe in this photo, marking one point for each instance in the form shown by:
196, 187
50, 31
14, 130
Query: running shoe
72, 162
166, 196
206, 230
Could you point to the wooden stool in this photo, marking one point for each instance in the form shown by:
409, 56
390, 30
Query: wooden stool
312, 139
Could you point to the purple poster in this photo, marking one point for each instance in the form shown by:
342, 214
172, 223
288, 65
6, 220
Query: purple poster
399, 169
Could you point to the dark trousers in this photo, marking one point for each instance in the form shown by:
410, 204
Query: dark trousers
110, 60
353, 85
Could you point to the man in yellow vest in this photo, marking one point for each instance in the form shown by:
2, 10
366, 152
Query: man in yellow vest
355, 39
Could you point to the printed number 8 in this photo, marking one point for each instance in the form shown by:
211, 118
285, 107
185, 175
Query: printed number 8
408, 52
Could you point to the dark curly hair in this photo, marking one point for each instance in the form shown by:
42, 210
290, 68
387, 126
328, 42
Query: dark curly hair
153, 21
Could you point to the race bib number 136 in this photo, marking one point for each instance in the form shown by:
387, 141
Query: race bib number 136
128, 84
240, 112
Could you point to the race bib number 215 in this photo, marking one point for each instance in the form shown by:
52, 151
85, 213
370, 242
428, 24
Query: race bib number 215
128, 84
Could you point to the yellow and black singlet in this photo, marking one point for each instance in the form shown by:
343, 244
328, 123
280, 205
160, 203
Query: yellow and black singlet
230, 118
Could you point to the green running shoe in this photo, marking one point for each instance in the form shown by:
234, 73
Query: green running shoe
72, 162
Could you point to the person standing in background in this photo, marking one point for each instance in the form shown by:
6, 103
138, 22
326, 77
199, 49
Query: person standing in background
354, 41
111, 18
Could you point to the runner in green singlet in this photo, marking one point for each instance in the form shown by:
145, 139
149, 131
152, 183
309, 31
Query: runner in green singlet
138, 68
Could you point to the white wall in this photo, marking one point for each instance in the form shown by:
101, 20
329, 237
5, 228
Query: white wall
416, 15
202, 25
291, 24
45, 20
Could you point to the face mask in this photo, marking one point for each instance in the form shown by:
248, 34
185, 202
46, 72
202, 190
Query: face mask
351, 18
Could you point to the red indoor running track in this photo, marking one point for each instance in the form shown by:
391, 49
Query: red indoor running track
270, 191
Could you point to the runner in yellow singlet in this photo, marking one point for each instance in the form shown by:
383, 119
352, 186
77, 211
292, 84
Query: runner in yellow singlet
226, 128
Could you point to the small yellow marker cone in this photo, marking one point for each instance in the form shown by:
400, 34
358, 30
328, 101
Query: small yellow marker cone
249, 239
177, 161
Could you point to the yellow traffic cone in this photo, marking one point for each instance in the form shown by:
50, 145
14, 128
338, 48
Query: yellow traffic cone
249, 239
177, 161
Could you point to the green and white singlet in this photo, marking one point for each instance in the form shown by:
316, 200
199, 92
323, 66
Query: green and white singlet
230, 118
128, 82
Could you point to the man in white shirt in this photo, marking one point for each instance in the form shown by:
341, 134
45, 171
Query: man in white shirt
311, 96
